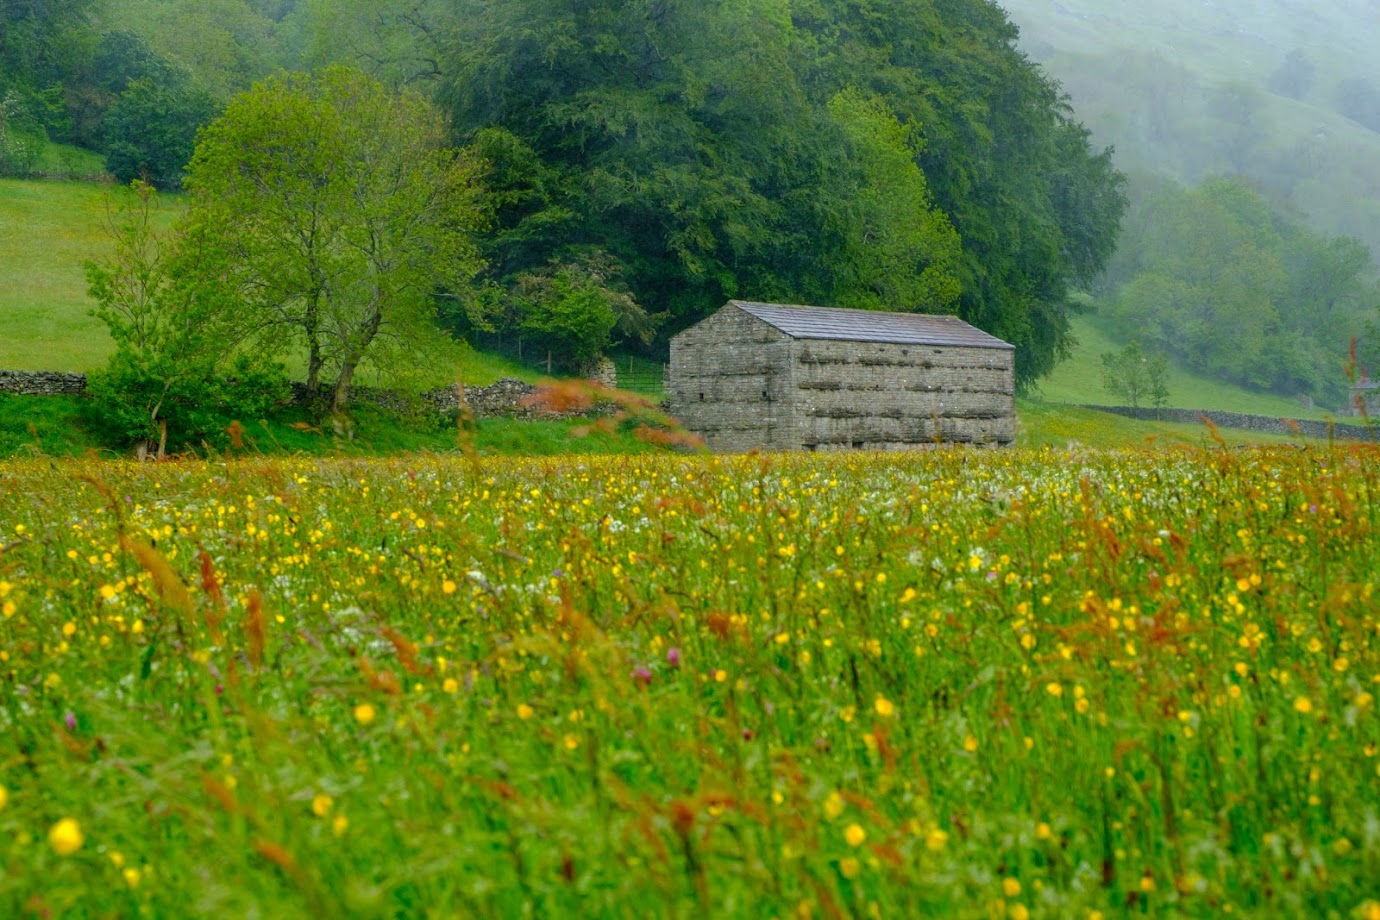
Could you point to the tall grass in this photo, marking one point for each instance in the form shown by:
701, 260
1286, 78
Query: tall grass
960, 684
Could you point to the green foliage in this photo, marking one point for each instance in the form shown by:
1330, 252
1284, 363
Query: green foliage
43, 45
49, 425
150, 131
1230, 285
19, 150
225, 44
1133, 376
135, 402
810, 153
577, 310
893, 250
175, 326
342, 221
568, 314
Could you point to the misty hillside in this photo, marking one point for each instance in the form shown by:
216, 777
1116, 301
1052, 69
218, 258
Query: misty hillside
1285, 92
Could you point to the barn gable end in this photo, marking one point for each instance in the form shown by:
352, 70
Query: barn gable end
729, 382
786, 377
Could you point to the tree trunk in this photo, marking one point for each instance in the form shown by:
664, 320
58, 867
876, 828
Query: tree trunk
311, 327
314, 363
341, 398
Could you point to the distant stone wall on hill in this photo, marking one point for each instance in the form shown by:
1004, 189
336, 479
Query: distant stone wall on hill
506, 398
42, 383
1264, 424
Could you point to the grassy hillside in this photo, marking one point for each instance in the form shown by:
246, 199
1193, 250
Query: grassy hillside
1043, 424
47, 230
1078, 381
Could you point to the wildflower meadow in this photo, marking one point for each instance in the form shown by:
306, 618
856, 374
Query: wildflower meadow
951, 683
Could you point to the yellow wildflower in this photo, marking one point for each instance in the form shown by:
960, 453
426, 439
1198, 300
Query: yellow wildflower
66, 837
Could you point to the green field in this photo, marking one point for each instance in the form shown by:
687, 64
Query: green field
47, 231
1023, 684
1078, 381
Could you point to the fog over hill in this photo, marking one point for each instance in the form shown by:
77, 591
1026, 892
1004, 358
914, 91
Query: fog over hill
1286, 92
1250, 133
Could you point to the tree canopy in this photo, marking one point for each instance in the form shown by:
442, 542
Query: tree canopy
897, 154
344, 221
888, 154
176, 375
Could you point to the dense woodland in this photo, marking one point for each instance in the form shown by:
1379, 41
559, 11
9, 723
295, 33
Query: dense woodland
638, 162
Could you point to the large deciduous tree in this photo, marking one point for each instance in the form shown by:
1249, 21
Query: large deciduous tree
897, 154
346, 221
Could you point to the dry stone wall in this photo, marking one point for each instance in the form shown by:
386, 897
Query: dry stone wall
42, 383
1264, 424
505, 398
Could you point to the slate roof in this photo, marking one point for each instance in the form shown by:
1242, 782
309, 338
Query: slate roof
870, 326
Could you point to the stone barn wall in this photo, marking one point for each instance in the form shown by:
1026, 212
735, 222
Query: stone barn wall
882, 396
729, 382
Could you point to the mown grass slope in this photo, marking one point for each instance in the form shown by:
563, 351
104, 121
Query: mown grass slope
1078, 381
48, 229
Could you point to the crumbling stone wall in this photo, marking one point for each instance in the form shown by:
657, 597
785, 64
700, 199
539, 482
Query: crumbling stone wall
505, 398
605, 373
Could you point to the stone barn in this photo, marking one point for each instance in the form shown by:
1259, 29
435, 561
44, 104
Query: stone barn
757, 375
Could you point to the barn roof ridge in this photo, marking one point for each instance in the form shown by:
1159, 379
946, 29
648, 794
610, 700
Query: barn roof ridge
840, 324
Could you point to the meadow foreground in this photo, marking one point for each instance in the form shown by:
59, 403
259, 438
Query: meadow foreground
1019, 684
